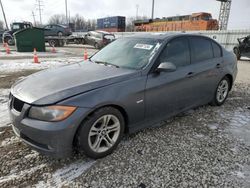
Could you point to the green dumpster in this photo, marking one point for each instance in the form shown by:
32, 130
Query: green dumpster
28, 39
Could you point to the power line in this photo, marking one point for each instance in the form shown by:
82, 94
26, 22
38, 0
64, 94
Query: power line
4, 15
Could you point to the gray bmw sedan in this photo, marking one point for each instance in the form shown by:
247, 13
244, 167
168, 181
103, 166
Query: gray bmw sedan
133, 83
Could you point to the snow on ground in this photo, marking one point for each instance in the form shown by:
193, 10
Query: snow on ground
239, 123
18, 175
9, 141
4, 116
66, 174
15, 54
24, 64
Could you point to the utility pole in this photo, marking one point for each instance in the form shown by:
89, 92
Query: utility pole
40, 9
153, 8
66, 7
34, 18
137, 8
7, 27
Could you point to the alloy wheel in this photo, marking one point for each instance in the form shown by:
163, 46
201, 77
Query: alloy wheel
104, 133
222, 91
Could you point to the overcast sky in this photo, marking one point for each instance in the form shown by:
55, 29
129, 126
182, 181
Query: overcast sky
18, 10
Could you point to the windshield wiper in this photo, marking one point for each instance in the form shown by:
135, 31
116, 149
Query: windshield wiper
106, 63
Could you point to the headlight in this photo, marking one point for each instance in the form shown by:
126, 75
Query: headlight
51, 113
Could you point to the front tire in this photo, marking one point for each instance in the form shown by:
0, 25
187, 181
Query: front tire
222, 92
101, 132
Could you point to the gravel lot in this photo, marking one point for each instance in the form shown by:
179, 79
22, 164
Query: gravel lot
204, 147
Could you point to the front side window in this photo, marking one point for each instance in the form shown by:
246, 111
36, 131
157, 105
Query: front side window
201, 49
176, 52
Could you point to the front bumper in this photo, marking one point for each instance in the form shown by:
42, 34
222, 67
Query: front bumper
51, 138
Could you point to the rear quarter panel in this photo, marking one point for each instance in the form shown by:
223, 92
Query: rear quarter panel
230, 64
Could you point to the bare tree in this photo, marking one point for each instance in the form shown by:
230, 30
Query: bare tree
58, 19
78, 22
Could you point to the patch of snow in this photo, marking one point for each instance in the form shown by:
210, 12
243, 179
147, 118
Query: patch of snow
234, 98
3, 75
8, 141
239, 174
33, 154
239, 123
199, 136
66, 174
4, 116
24, 64
18, 175
213, 126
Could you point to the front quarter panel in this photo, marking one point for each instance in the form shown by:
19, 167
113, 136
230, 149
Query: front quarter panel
128, 94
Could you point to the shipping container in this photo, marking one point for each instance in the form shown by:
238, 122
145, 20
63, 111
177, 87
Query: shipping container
116, 23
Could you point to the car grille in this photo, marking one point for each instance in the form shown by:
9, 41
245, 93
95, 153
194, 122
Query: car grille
16, 104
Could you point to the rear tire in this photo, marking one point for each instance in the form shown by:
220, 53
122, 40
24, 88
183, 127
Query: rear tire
221, 92
97, 46
237, 53
100, 133
60, 34
53, 43
9, 41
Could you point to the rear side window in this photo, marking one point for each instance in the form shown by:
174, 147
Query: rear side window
176, 52
201, 49
217, 50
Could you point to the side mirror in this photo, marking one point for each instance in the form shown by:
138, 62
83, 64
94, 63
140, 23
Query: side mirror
166, 67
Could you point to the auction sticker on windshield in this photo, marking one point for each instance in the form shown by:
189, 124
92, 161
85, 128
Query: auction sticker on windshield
144, 46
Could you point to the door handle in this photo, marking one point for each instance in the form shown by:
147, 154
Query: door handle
190, 74
218, 66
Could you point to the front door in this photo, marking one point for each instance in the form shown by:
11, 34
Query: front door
168, 93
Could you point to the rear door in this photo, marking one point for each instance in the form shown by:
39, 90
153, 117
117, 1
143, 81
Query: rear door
207, 63
168, 93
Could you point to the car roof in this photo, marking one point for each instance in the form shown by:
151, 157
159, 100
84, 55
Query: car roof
102, 32
56, 25
163, 36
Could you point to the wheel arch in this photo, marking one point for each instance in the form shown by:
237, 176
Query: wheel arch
118, 107
230, 77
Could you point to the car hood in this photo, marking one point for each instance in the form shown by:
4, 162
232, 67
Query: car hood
51, 86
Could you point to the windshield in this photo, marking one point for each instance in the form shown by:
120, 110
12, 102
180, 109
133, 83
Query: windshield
129, 53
